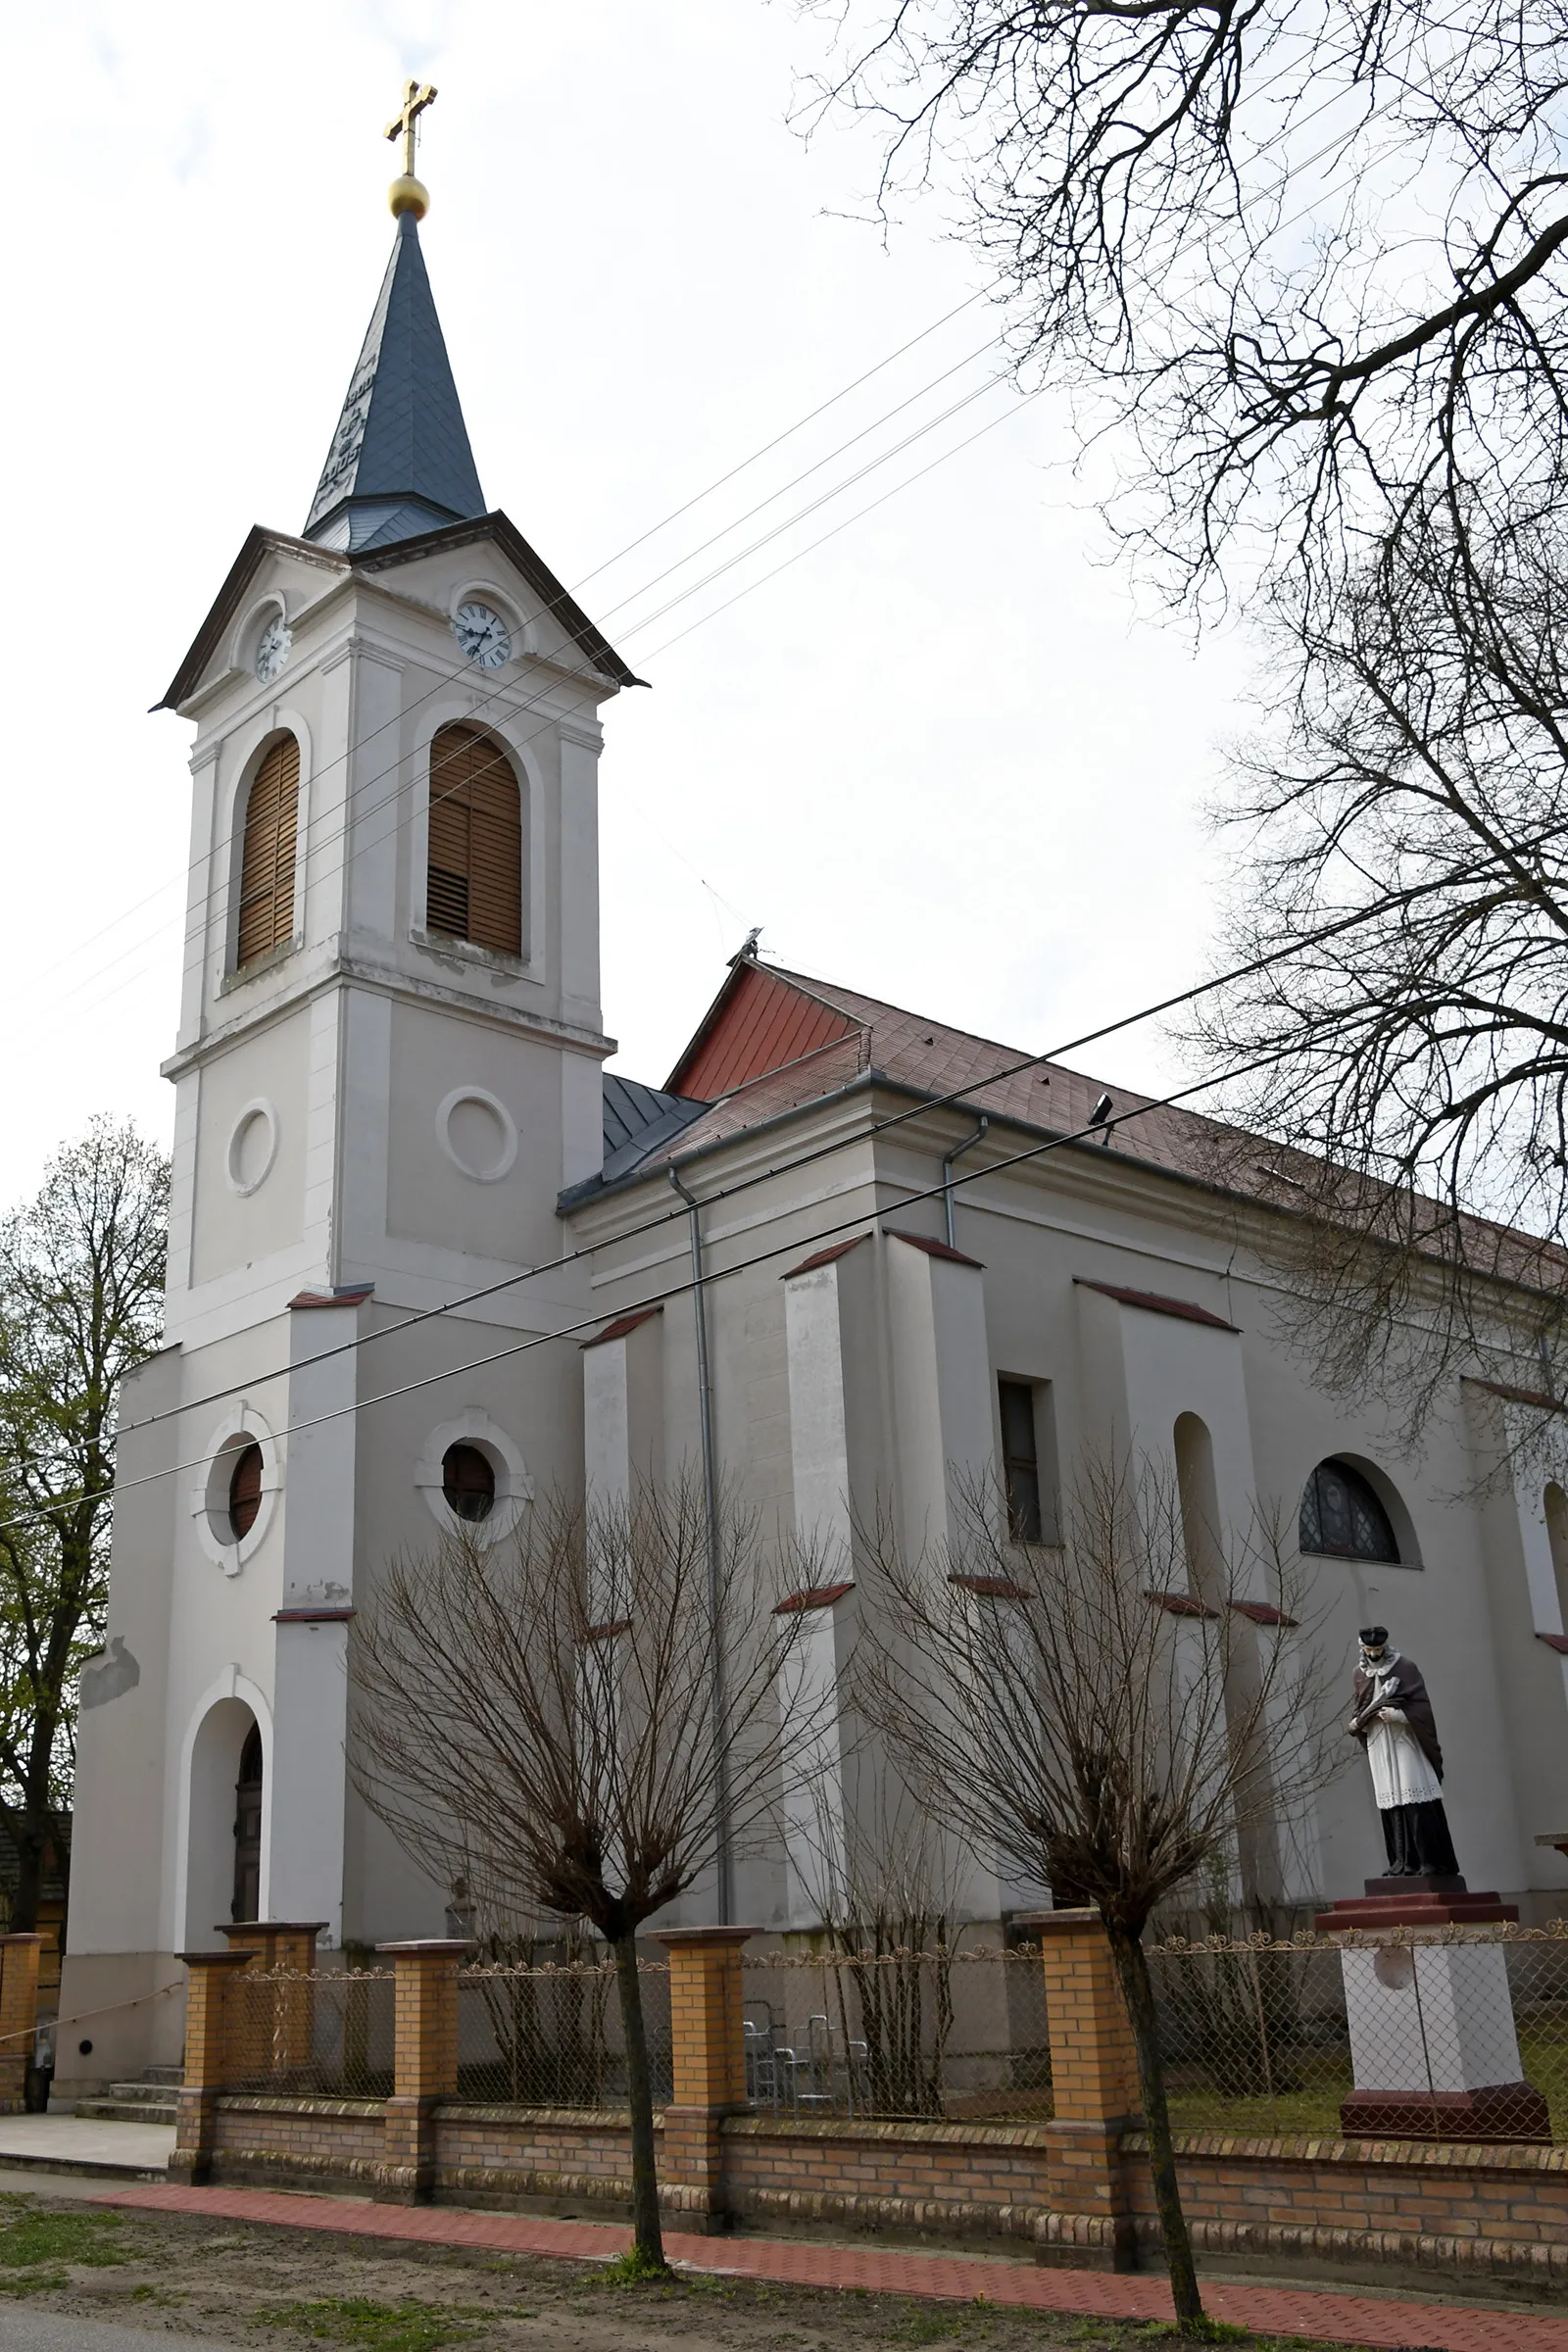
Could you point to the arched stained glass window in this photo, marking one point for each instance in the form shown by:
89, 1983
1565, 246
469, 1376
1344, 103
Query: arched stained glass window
1342, 1516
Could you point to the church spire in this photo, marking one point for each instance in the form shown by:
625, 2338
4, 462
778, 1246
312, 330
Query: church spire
400, 462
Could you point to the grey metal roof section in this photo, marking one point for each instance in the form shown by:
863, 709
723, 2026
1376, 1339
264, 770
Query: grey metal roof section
400, 462
638, 1118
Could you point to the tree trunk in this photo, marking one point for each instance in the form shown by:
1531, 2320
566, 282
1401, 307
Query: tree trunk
1132, 1967
647, 2239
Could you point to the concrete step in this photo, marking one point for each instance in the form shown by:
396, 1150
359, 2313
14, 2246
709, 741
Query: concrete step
141, 2091
127, 2111
171, 2077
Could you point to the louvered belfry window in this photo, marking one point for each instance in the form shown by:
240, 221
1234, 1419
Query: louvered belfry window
475, 890
267, 864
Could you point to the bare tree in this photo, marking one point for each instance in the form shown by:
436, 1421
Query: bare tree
1418, 781
1306, 270
1087, 1721
583, 1715
81, 1299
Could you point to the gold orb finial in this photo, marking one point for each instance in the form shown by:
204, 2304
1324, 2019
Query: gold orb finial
408, 194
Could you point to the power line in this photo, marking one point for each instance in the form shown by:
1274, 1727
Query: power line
790, 1166
462, 671
660, 1297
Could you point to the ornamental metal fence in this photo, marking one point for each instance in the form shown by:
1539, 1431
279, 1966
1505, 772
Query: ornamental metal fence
930, 2033
550, 2036
1454, 2032
321, 2034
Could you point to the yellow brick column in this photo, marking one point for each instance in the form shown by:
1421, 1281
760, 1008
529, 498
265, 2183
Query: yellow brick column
425, 2004
709, 2049
288, 1947
208, 2057
18, 2017
1094, 2074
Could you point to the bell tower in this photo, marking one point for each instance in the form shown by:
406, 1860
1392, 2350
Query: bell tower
387, 1068
390, 1039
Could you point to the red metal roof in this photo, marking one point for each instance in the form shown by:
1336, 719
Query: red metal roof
622, 1324
923, 1240
825, 1257
1154, 1303
815, 1597
758, 1023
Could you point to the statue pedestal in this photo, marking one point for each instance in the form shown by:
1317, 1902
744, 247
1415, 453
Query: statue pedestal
1432, 2047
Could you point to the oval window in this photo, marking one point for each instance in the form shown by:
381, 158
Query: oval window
468, 1482
245, 1490
1342, 1515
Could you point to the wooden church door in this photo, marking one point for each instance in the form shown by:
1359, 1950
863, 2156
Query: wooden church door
248, 1830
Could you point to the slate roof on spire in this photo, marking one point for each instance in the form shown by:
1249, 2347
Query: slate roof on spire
400, 462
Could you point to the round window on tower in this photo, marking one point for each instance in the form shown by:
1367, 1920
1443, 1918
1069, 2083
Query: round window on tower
468, 1482
245, 1490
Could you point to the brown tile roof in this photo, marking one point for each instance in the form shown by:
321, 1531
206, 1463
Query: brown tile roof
930, 1056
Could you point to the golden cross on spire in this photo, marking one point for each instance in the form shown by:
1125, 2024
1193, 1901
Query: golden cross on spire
415, 101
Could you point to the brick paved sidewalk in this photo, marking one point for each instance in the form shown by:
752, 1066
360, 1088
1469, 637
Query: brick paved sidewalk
1338, 2318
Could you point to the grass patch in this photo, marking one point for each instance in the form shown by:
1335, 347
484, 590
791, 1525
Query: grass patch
927, 2323
636, 2268
370, 2324
30, 2239
1203, 2330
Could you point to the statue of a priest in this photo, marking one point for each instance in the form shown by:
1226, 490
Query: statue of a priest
1394, 1721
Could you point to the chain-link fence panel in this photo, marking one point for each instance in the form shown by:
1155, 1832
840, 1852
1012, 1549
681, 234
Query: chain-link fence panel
551, 2035
936, 2033
1454, 2032
326, 2034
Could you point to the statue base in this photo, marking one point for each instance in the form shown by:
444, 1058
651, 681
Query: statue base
1496, 2111
1415, 1901
1433, 2047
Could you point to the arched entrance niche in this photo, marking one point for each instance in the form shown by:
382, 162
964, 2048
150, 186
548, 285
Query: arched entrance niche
226, 1846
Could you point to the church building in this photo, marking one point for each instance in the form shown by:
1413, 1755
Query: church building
428, 1258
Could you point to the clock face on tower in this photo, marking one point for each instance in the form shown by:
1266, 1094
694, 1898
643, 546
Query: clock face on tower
272, 650
483, 636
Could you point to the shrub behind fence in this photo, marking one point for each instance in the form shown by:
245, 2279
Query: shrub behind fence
324, 2035
926, 2034
551, 2036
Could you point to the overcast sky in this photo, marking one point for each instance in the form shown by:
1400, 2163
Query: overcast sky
941, 756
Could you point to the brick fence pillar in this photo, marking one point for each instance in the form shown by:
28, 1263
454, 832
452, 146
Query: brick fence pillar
284, 1946
709, 2049
425, 2008
1094, 2074
208, 2057
18, 2017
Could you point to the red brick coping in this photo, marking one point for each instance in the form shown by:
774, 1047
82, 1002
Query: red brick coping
1376, 2320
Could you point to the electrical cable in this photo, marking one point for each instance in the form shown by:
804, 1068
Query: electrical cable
462, 671
791, 1165
661, 1298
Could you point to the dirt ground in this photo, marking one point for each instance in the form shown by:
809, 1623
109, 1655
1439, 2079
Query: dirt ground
257, 2285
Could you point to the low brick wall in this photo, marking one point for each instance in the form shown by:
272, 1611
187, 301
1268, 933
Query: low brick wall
261, 2140
556, 2155
1481, 2214
1395, 2209
963, 2179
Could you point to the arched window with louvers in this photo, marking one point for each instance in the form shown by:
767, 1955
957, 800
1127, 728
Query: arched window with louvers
266, 858
474, 864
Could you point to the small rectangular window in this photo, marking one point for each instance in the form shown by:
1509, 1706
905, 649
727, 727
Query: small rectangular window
1020, 1461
